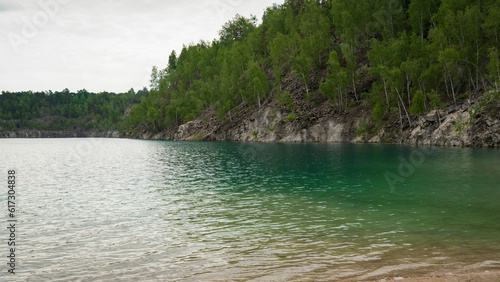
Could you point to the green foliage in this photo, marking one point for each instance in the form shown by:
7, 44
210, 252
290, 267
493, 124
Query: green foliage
336, 82
281, 51
418, 50
461, 125
435, 100
418, 104
66, 110
237, 29
494, 67
490, 104
291, 117
354, 19
363, 128
257, 83
409, 52
420, 15
378, 111
285, 100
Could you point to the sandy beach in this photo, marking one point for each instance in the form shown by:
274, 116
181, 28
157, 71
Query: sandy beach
466, 274
484, 271
451, 277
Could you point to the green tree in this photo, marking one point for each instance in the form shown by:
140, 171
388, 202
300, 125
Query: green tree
352, 66
335, 84
491, 25
315, 29
420, 14
258, 83
172, 61
282, 50
449, 58
354, 20
494, 67
418, 104
155, 78
237, 28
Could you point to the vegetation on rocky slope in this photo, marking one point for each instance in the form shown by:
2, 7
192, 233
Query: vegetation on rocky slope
399, 58
391, 60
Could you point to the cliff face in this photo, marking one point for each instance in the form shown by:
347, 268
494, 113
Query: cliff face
450, 130
451, 127
319, 123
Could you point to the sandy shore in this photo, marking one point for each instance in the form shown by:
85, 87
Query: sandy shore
484, 271
451, 277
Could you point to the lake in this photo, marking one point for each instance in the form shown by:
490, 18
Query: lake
113, 209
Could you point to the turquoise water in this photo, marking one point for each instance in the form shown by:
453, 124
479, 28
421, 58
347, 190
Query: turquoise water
105, 209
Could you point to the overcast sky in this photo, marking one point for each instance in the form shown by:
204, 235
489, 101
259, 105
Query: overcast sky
103, 45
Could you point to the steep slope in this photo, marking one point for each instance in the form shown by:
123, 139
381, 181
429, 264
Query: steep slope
415, 72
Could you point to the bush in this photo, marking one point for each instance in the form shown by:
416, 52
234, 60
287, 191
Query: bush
363, 128
285, 100
378, 111
490, 103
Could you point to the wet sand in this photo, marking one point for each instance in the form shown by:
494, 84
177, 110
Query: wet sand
484, 271
450, 277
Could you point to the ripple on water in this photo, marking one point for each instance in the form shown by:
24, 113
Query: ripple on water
125, 209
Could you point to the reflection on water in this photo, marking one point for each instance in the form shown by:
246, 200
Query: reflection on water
97, 209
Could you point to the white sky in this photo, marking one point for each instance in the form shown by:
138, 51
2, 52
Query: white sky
103, 45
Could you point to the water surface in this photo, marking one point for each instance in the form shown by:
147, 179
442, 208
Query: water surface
107, 209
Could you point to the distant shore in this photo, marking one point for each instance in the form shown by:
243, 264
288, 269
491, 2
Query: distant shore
33, 133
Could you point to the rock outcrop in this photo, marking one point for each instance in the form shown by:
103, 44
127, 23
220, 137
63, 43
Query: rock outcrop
271, 123
453, 127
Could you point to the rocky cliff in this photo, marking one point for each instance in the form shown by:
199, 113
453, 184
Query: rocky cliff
272, 123
319, 123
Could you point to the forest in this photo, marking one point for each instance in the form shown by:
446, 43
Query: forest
65, 110
398, 58
417, 55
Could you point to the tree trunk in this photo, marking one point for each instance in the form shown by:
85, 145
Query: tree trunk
477, 66
341, 100
408, 88
305, 82
354, 88
406, 112
400, 116
446, 85
385, 90
451, 82
453, 90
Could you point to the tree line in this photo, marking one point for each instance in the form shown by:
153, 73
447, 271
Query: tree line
418, 55
65, 110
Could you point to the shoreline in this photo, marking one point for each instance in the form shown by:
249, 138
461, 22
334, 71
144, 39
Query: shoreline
473, 276
421, 272
268, 124
40, 134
